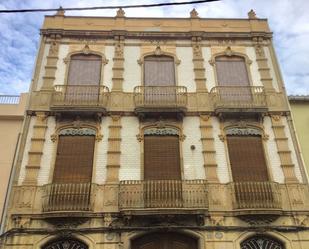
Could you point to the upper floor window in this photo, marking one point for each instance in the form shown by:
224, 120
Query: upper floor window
159, 71
246, 155
261, 241
161, 154
74, 157
231, 71
85, 69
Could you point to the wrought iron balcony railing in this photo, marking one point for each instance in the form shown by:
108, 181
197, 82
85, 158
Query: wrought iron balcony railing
160, 96
67, 197
256, 195
83, 96
163, 194
238, 97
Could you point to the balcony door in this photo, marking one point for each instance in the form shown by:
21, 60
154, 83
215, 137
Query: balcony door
159, 80
83, 79
71, 187
162, 174
164, 241
248, 165
233, 80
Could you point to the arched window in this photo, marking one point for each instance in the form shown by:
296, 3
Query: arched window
66, 243
261, 242
159, 71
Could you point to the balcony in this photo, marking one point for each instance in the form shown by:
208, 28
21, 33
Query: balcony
80, 98
256, 196
236, 100
160, 100
67, 197
164, 195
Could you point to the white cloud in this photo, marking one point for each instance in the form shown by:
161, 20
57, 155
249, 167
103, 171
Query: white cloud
288, 20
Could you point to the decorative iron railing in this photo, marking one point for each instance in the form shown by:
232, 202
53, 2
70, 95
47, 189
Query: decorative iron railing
80, 96
9, 99
67, 197
167, 194
238, 97
256, 195
160, 96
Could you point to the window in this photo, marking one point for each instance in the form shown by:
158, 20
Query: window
161, 156
66, 243
261, 242
159, 80
84, 79
232, 77
74, 157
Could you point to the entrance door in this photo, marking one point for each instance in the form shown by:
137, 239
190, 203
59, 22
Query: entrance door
164, 241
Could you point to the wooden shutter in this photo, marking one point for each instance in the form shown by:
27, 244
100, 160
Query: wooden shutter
231, 71
74, 159
161, 158
159, 71
247, 158
85, 70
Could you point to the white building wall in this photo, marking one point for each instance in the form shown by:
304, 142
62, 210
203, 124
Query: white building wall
272, 155
292, 149
42, 68
61, 66
26, 150
221, 153
193, 162
255, 75
108, 68
271, 67
48, 153
130, 159
132, 70
209, 69
185, 72
100, 159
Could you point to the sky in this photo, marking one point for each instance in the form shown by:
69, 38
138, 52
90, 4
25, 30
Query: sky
288, 19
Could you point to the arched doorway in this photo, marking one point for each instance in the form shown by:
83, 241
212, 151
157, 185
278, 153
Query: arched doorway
164, 241
65, 243
261, 242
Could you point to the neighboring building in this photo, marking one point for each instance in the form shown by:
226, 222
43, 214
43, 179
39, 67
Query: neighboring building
149, 133
12, 111
300, 112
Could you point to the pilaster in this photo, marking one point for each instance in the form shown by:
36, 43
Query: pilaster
113, 153
198, 64
118, 66
208, 147
284, 152
36, 149
262, 63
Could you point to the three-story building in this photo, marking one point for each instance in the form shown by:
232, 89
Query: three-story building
149, 133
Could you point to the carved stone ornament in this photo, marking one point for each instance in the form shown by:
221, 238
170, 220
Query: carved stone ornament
252, 15
158, 51
194, 13
77, 132
119, 49
120, 13
197, 50
259, 50
86, 49
243, 131
161, 131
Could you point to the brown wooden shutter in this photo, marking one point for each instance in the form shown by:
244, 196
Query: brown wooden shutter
231, 71
159, 71
247, 158
74, 159
161, 158
85, 70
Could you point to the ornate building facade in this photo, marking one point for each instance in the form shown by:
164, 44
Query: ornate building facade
157, 132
